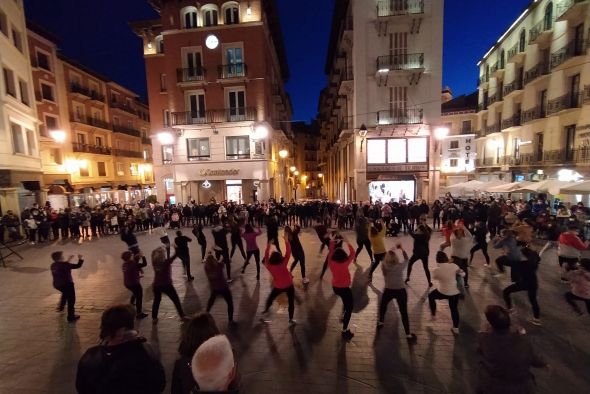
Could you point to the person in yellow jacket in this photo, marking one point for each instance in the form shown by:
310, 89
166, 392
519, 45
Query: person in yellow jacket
377, 237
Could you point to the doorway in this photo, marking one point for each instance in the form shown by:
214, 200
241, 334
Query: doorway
234, 191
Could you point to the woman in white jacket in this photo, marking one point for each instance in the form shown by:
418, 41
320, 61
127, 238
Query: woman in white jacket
446, 275
461, 243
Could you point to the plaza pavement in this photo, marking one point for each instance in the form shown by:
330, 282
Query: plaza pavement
39, 350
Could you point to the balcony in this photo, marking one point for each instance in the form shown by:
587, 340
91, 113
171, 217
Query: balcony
79, 89
85, 148
123, 107
229, 71
586, 94
405, 62
572, 49
387, 8
513, 121
487, 162
567, 101
146, 141
522, 159
514, 54
541, 32
495, 128
571, 10
126, 130
512, 87
127, 153
534, 113
483, 80
184, 75
535, 72
400, 116
89, 120
495, 98
239, 114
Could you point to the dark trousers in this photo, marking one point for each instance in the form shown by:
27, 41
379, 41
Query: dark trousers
225, 254
345, 295
203, 249
32, 234
68, 295
186, 262
290, 295
137, 297
299, 258
463, 264
401, 297
484, 249
226, 294
170, 291
378, 258
453, 304
364, 243
325, 243
435, 221
493, 228
571, 297
532, 293
502, 262
256, 254
424, 258
237, 243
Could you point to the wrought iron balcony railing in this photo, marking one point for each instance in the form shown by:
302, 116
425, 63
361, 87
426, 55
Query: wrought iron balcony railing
399, 7
409, 61
194, 74
238, 114
400, 116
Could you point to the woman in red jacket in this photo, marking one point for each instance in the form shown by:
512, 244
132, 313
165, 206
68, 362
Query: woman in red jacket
281, 277
338, 261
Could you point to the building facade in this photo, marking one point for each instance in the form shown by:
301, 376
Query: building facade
93, 132
383, 101
534, 91
457, 148
20, 163
215, 74
306, 147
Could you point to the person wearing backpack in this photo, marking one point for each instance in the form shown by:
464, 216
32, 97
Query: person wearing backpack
123, 363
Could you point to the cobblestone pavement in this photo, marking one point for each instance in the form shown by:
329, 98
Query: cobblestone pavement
39, 350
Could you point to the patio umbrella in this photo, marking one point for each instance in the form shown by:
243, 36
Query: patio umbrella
551, 186
577, 188
507, 187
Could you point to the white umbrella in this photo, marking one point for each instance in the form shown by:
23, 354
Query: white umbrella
507, 187
577, 188
551, 186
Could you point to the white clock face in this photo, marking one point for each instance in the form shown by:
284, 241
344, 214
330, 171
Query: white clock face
211, 41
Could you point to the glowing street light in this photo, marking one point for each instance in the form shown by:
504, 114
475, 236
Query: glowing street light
58, 136
283, 153
166, 138
296, 173
320, 175
441, 132
293, 169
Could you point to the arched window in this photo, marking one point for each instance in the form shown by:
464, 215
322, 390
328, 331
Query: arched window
548, 21
231, 13
189, 17
502, 60
522, 41
159, 44
210, 15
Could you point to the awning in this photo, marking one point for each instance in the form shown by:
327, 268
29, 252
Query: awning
506, 187
551, 186
577, 188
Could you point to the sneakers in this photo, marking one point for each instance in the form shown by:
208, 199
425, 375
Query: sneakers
535, 321
380, 325
305, 281
141, 316
411, 337
347, 335
72, 319
292, 322
455, 330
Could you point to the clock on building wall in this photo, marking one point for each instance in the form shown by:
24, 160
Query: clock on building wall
212, 41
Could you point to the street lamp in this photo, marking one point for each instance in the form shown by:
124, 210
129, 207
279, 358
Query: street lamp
58, 136
283, 153
165, 138
440, 133
292, 168
362, 134
296, 173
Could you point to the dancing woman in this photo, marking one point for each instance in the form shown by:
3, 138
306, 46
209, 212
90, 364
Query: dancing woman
338, 261
296, 250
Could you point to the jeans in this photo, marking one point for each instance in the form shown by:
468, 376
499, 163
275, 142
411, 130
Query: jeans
463, 264
453, 304
571, 297
413, 259
401, 297
290, 295
68, 295
484, 250
227, 296
347, 303
256, 254
203, 249
364, 243
299, 257
137, 297
532, 293
170, 291
378, 258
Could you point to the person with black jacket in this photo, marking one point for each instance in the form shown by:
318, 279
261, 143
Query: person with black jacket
62, 280
480, 233
201, 239
236, 238
421, 250
221, 248
182, 252
123, 363
131, 279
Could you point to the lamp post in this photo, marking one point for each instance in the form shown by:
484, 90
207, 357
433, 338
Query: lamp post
440, 133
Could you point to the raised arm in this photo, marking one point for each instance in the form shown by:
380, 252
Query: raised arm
287, 252
351, 253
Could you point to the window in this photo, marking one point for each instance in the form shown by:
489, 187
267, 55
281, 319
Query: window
18, 143
539, 147
160, 44
198, 148
43, 61
51, 122
9, 82
120, 171
575, 91
167, 154
397, 150
31, 145
47, 92
516, 148
259, 148
163, 83
166, 117
193, 64
570, 137
454, 144
417, 150
237, 105
548, 19
17, 40
543, 103
210, 17
102, 168
376, 150
81, 138
237, 147
114, 97
98, 141
3, 24
466, 126
196, 107
522, 41
24, 92
55, 156
234, 66
232, 15
133, 169
453, 162
189, 17
84, 171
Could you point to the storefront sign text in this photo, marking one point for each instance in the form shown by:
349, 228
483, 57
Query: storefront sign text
208, 172
397, 168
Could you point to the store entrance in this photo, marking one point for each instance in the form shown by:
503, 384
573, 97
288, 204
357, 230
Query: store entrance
234, 191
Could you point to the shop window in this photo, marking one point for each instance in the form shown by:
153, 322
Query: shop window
198, 148
237, 148
120, 170
397, 150
102, 168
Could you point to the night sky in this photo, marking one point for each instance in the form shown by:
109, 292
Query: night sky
96, 33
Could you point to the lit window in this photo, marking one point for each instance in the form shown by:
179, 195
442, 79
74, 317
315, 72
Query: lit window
237, 147
189, 17
102, 168
210, 17
454, 162
167, 154
417, 150
376, 151
198, 148
396, 150
454, 144
232, 15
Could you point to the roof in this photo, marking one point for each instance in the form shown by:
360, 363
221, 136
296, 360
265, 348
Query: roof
38, 29
461, 103
82, 67
338, 18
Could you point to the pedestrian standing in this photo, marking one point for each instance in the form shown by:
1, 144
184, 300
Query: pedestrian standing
460, 250
61, 270
276, 264
163, 282
339, 263
421, 250
182, 252
218, 285
201, 239
250, 234
377, 238
579, 280
446, 274
524, 278
393, 274
296, 250
131, 279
